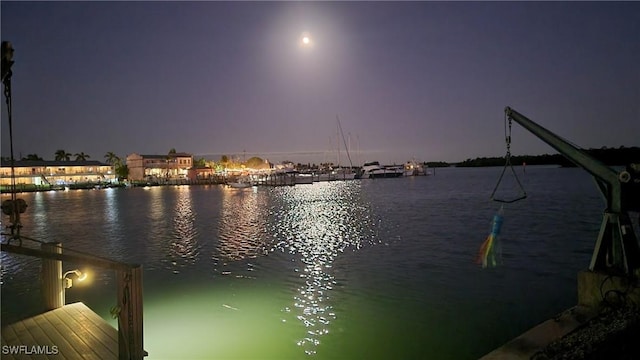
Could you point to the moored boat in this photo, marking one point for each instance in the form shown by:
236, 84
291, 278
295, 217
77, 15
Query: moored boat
344, 174
241, 183
413, 168
372, 170
304, 178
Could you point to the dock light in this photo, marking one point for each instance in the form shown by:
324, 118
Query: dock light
67, 283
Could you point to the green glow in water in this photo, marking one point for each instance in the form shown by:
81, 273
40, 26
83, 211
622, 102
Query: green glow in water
241, 321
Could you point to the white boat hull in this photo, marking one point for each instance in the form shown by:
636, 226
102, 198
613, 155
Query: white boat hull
373, 170
304, 179
239, 185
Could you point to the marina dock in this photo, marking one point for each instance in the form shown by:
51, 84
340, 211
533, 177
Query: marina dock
72, 331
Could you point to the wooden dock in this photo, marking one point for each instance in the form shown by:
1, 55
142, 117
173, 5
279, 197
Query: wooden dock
74, 331
70, 332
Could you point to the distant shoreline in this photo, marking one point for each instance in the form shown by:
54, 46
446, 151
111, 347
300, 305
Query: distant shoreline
609, 156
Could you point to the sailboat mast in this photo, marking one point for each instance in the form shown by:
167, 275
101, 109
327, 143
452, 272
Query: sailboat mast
338, 140
344, 141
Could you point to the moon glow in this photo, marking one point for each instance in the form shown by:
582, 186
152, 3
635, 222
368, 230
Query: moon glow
305, 40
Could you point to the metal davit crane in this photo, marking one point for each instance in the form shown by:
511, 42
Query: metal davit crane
616, 250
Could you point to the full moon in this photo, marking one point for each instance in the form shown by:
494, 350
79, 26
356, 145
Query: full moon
305, 40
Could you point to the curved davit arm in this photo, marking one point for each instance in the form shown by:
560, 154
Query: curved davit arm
616, 249
607, 177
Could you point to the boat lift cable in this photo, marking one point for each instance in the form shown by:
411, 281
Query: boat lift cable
15, 206
507, 136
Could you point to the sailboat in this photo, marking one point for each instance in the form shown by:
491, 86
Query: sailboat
343, 173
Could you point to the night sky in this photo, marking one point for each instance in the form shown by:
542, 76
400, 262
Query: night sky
423, 80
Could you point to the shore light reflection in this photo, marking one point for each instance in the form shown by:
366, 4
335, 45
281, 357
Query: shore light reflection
110, 206
156, 213
242, 225
184, 246
37, 210
112, 220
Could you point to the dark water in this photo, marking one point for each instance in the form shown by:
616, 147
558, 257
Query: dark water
375, 269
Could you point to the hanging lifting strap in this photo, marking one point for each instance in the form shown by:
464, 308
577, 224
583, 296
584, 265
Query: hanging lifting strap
507, 137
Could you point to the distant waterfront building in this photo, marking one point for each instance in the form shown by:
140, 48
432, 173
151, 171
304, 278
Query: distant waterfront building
201, 173
46, 173
159, 167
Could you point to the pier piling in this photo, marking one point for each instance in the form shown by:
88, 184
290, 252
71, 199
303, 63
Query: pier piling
52, 290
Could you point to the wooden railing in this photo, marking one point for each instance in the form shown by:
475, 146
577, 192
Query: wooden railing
128, 283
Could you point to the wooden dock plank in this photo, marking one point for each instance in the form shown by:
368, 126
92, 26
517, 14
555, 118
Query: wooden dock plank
11, 338
84, 342
40, 334
90, 319
64, 346
73, 331
26, 338
97, 326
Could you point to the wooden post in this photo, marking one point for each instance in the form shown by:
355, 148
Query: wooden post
130, 336
52, 289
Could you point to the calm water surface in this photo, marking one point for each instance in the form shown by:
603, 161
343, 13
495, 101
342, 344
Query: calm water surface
374, 269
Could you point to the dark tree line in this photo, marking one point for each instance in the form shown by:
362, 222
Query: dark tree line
609, 156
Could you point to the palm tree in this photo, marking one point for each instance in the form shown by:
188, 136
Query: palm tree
32, 157
116, 163
122, 171
62, 155
112, 158
81, 156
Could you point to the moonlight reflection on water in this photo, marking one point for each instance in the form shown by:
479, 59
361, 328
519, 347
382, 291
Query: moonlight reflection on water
319, 222
314, 223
